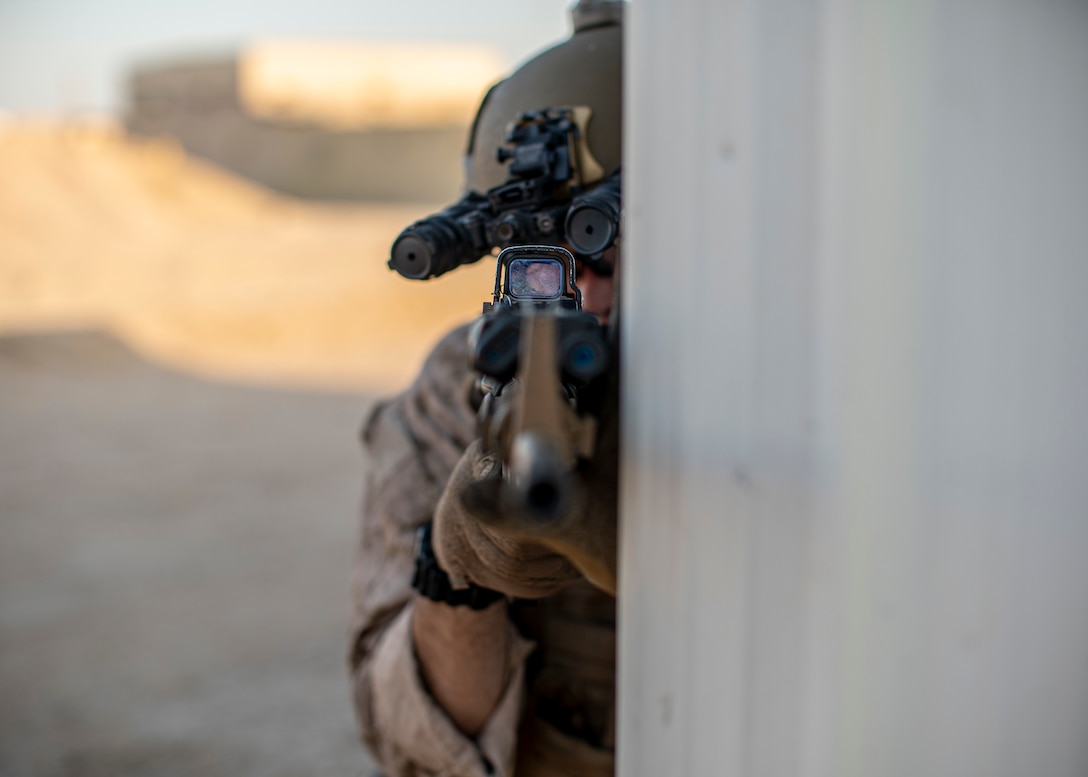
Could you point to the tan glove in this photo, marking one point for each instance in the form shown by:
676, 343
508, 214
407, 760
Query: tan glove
472, 551
479, 539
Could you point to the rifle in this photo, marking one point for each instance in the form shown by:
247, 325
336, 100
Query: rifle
543, 366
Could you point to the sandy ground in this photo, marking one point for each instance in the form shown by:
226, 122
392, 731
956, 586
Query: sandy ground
184, 365
174, 556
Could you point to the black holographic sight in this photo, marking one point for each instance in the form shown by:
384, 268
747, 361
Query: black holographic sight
540, 278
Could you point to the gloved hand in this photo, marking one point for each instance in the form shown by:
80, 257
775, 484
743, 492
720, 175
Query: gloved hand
479, 537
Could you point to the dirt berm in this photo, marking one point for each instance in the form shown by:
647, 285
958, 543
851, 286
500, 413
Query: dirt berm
184, 364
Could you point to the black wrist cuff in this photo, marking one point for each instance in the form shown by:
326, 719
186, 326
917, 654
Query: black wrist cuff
431, 581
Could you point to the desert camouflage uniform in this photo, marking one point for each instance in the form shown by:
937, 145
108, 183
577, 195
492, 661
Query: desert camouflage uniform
556, 718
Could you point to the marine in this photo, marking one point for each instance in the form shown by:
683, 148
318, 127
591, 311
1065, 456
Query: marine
481, 645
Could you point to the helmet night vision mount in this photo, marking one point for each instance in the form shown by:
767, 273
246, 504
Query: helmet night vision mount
546, 199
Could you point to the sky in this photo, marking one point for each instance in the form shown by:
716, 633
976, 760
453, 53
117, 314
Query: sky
72, 56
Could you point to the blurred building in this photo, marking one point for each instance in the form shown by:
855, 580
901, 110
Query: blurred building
319, 120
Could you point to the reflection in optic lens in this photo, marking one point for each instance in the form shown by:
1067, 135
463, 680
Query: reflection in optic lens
535, 278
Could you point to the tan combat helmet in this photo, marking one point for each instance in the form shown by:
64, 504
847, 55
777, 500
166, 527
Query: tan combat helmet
583, 72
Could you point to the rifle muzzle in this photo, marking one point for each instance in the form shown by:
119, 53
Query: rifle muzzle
539, 477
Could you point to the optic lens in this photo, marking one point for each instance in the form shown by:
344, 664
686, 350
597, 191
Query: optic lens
590, 231
585, 356
535, 279
412, 257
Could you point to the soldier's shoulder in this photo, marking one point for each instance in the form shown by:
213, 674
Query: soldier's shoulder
438, 402
449, 359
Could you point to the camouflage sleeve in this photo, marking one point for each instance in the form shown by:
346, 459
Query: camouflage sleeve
413, 443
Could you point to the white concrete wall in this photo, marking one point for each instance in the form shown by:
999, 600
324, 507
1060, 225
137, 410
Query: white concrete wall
855, 499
